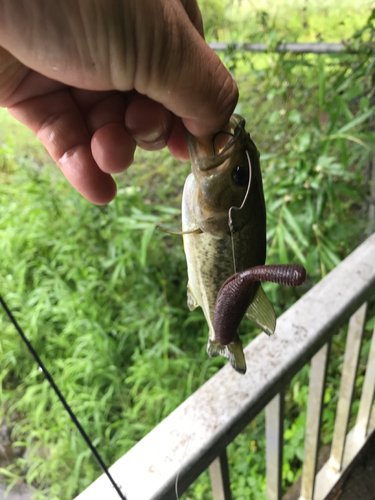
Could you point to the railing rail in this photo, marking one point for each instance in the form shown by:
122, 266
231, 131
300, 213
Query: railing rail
194, 437
297, 48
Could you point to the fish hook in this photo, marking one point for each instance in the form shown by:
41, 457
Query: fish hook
214, 137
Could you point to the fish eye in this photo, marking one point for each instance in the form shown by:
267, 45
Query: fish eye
240, 175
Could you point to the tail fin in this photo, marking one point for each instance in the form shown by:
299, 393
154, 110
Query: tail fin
233, 352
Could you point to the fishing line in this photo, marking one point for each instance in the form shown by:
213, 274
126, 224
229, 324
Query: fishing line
233, 254
230, 220
52, 383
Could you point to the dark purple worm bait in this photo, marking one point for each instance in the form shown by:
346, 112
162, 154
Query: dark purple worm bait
238, 291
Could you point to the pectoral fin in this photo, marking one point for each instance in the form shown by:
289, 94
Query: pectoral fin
233, 352
198, 230
261, 312
191, 300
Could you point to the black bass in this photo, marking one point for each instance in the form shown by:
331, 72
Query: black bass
225, 179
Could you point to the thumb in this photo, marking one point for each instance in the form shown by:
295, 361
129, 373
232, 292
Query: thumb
186, 76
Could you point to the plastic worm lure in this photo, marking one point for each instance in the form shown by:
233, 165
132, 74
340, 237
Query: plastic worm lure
238, 291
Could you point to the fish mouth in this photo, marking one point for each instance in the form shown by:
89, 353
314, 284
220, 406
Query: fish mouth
208, 160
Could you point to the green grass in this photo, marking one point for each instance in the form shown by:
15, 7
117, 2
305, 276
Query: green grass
102, 294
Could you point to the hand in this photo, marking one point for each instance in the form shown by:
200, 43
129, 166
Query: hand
94, 78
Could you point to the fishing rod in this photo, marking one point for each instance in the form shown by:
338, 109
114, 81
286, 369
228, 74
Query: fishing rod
58, 393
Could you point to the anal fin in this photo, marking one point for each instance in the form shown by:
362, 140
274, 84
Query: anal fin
261, 312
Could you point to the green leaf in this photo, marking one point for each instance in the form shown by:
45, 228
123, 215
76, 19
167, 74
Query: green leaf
357, 121
304, 142
146, 237
281, 244
292, 222
293, 245
352, 138
294, 116
370, 324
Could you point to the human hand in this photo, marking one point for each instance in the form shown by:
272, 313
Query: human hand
94, 78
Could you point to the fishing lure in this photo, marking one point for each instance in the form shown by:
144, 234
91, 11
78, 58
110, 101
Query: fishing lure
238, 291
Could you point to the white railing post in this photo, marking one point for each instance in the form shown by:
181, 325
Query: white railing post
318, 374
219, 474
274, 446
349, 371
368, 392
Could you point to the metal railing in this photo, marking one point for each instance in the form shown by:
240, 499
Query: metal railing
194, 437
297, 48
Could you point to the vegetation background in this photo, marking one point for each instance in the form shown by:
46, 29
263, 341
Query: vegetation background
102, 294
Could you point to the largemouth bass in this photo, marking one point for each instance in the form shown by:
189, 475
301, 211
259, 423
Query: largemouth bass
222, 179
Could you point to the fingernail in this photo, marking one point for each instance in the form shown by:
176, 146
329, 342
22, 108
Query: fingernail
152, 140
152, 136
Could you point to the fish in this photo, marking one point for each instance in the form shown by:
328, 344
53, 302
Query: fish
224, 229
